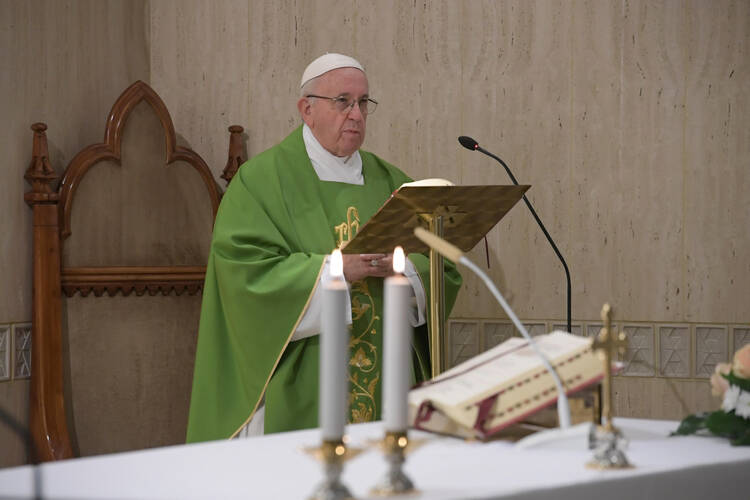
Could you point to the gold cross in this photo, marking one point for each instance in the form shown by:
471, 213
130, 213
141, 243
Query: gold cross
608, 343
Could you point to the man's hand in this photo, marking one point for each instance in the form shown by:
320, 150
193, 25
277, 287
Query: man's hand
360, 266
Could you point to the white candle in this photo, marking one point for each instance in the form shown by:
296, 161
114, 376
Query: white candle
334, 347
397, 346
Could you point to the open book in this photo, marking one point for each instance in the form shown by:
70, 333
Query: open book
428, 182
502, 385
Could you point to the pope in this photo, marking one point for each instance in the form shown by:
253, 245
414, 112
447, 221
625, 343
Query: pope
286, 209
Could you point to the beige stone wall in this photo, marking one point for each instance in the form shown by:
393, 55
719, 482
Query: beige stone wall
63, 63
628, 118
129, 360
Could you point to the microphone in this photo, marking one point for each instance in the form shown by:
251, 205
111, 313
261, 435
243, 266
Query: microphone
456, 255
468, 142
473, 145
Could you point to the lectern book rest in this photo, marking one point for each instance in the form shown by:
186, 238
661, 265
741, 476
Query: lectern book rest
460, 214
468, 213
502, 386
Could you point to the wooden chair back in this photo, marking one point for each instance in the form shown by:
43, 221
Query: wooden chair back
130, 224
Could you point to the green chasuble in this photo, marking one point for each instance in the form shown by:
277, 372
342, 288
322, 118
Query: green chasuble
275, 225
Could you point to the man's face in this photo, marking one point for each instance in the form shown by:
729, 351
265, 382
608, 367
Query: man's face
341, 133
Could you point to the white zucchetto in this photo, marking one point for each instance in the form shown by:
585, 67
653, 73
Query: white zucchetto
326, 63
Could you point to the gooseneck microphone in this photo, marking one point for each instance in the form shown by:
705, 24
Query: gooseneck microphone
473, 145
456, 255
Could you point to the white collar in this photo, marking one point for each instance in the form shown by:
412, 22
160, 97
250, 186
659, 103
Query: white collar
330, 167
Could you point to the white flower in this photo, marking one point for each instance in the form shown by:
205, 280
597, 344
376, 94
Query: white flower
743, 405
730, 398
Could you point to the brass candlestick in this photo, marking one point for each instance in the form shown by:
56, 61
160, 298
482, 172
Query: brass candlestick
332, 454
607, 440
395, 447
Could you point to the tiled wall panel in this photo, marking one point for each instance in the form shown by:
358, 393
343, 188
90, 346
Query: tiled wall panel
5, 352
496, 333
463, 342
674, 350
740, 337
593, 329
666, 365
535, 329
711, 347
22, 351
640, 356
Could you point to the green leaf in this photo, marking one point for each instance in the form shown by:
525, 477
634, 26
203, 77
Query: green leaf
691, 424
727, 424
742, 383
743, 440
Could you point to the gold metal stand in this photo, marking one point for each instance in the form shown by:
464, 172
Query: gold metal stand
608, 441
437, 302
332, 454
395, 447
460, 214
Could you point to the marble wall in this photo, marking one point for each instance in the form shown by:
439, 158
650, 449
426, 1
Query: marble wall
63, 63
628, 118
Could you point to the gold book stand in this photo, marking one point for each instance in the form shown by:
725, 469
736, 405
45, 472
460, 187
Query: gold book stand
462, 215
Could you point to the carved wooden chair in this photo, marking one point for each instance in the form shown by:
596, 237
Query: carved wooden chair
130, 221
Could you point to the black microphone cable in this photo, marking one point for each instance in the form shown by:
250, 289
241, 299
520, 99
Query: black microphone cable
473, 145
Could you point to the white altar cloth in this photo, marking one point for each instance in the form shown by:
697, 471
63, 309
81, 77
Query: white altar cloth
445, 468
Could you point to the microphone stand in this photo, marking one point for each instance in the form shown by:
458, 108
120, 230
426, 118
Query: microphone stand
453, 253
565, 431
471, 144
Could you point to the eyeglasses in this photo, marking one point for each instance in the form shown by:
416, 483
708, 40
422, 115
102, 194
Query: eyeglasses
344, 105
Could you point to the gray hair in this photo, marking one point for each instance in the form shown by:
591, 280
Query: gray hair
309, 86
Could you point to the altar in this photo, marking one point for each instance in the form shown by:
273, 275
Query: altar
274, 467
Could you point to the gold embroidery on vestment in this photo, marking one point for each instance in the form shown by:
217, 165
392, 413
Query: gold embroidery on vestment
346, 231
364, 369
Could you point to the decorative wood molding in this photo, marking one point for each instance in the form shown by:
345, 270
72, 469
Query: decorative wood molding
126, 280
237, 154
110, 149
40, 173
47, 422
51, 225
